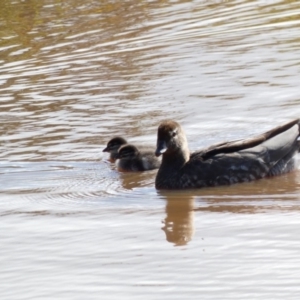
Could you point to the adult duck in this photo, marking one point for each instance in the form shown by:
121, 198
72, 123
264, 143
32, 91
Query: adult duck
269, 154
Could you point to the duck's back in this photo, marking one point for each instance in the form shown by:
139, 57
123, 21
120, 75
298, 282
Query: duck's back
132, 164
143, 162
272, 157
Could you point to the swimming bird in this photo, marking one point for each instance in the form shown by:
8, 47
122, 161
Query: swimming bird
129, 158
113, 146
269, 154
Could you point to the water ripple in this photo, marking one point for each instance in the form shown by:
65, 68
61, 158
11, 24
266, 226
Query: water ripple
74, 73
72, 183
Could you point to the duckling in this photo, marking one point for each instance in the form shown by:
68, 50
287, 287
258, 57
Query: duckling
113, 146
269, 154
129, 158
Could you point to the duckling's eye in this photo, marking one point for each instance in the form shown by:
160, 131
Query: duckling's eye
174, 133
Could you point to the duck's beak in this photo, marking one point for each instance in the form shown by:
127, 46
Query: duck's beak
161, 148
105, 149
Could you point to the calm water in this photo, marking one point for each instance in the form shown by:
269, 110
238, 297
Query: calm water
74, 74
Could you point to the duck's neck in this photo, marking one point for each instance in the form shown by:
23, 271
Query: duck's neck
171, 165
176, 159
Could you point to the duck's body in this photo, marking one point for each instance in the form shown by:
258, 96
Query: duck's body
113, 146
269, 154
129, 158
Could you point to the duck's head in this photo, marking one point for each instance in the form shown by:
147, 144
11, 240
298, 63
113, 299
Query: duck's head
127, 151
170, 138
114, 144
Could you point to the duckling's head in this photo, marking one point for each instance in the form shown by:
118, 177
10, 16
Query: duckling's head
170, 138
127, 151
114, 144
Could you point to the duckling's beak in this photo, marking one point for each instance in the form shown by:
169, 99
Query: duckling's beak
161, 148
105, 149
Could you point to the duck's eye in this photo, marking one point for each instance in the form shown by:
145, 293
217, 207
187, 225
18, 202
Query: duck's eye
174, 133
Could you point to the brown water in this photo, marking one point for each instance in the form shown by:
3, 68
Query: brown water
75, 73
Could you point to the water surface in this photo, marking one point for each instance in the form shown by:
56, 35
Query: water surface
76, 73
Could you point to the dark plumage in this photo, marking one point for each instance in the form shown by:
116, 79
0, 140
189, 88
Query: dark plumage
113, 146
271, 153
129, 158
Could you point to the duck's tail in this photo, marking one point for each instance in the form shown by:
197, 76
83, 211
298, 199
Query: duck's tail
251, 142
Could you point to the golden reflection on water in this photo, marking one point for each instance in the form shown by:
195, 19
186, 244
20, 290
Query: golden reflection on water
131, 180
280, 193
179, 220
51, 82
84, 71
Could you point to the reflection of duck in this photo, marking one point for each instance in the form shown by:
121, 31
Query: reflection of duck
179, 221
271, 153
129, 158
134, 180
282, 193
113, 146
